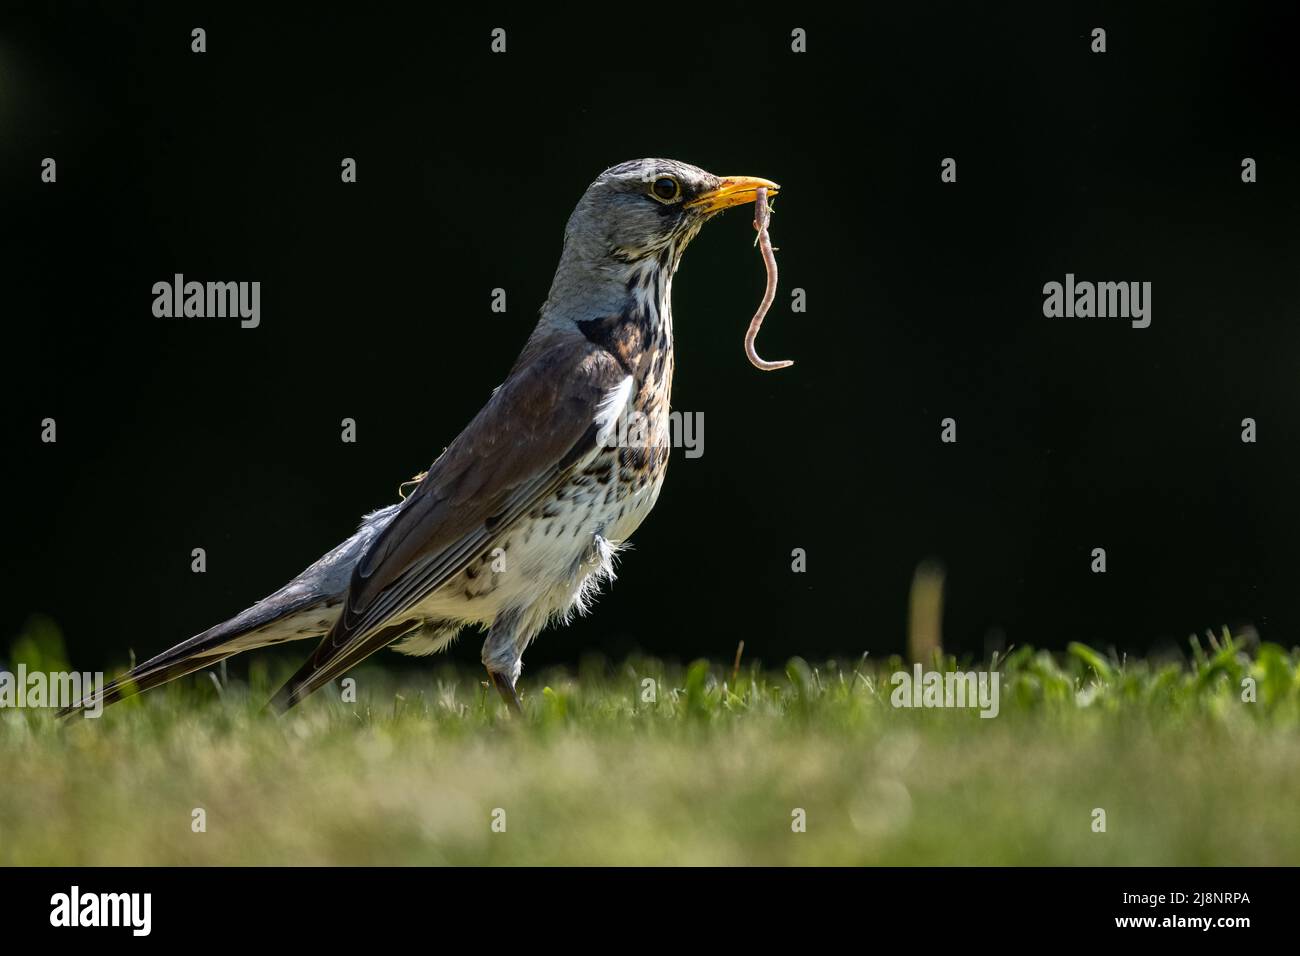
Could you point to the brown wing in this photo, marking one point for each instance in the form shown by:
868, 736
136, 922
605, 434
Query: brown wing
524, 443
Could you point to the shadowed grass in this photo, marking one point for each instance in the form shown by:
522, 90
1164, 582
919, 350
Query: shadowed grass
705, 765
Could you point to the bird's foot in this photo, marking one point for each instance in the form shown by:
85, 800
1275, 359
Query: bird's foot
507, 691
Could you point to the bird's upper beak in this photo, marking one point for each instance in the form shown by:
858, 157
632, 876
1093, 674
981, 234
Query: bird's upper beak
732, 191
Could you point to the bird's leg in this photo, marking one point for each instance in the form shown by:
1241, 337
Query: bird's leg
501, 657
506, 688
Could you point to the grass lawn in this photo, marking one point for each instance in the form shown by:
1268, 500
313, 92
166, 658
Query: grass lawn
712, 771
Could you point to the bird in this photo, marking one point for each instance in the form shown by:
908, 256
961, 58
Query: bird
519, 522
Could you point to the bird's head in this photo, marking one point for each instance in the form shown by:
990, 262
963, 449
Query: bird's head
627, 233
652, 207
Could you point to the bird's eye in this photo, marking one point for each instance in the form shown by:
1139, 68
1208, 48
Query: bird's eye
666, 189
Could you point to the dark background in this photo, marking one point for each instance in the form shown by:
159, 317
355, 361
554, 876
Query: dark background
924, 301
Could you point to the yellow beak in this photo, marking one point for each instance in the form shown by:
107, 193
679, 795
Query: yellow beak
732, 191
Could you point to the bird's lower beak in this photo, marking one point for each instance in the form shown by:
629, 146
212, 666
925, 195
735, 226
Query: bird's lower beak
732, 191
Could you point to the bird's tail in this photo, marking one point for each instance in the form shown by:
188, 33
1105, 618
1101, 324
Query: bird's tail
138, 680
270, 621
304, 608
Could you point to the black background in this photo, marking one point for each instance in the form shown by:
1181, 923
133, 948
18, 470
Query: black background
924, 301
906, 893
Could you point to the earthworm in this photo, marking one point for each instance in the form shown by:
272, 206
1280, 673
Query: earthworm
761, 217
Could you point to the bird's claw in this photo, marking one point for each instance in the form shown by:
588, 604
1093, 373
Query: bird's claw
507, 692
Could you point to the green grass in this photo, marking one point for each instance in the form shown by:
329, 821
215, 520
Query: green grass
709, 773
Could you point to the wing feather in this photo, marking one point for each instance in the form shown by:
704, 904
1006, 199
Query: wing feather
537, 428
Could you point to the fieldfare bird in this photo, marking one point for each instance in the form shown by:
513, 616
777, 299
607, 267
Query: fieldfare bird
518, 522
